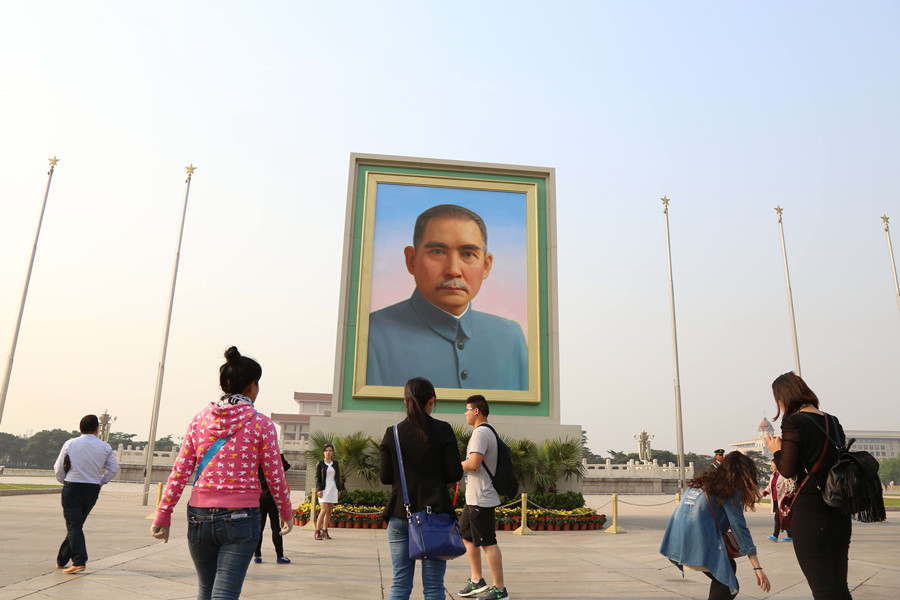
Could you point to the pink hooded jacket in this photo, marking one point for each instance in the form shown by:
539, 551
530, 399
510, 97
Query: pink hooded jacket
230, 479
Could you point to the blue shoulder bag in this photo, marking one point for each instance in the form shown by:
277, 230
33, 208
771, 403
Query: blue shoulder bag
431, 535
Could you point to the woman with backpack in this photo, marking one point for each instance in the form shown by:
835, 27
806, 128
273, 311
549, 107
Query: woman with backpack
821, 533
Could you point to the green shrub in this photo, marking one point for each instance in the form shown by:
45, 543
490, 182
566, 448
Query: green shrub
566, 501
365, 497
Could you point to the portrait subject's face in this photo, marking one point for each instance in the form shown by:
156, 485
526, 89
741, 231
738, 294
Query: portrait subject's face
450, 263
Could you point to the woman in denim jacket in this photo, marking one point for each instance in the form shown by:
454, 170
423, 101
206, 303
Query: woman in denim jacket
713, 502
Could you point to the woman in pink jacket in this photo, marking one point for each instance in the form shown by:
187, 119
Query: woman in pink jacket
225, 444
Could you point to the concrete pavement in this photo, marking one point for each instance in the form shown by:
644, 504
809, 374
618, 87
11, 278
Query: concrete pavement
125, 562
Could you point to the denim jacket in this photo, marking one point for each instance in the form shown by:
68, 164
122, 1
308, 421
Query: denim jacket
693, 538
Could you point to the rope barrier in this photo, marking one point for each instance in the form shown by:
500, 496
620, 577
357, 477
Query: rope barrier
640, 504
554, 511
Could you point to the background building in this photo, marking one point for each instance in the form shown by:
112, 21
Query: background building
880, 444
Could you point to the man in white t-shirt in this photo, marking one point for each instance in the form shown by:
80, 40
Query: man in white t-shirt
477, 522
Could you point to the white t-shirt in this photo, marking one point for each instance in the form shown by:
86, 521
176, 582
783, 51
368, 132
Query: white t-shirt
479, 488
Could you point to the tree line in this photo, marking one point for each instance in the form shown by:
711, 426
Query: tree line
40, 450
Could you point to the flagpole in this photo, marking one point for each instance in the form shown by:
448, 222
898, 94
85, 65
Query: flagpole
887, 232
678, 425
12, 351
787, 277
148, 465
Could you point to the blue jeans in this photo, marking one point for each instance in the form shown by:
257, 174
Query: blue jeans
222, 541
433, 570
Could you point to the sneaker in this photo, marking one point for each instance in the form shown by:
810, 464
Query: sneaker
257, 559
473, 588
283, 560
773, 538
493, 593
787, 538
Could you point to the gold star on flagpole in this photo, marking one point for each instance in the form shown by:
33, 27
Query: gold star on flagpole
885, 218
665, 202
190, 169
53, 161
778, 209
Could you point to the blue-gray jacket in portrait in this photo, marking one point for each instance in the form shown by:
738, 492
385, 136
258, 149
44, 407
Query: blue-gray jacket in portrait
414, 338
693, 538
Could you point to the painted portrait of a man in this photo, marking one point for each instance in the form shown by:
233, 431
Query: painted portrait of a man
436, 332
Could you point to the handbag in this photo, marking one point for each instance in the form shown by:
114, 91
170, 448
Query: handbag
728, 538
431, 535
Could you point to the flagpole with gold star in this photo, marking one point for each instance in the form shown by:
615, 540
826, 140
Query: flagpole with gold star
787, 276
148, 465
679, 428
12, 352
887, 232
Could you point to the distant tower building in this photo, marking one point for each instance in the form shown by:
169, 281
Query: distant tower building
758, 443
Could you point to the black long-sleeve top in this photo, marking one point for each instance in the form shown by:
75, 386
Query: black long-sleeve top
801, 446
430, 467
322, 475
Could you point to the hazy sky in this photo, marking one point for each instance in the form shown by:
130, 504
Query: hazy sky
729, 109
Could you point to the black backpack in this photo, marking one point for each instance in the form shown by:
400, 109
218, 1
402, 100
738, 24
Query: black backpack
504, 480
852, 484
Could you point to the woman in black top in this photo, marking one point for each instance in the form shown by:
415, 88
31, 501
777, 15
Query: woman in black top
268, 508
328, 489
821, 534
431, 460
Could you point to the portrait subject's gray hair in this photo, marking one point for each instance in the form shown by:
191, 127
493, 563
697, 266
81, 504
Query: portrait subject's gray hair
447, 211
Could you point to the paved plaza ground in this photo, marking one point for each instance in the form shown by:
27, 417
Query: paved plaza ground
126, 563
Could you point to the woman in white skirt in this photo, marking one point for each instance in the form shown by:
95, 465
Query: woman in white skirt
328, 489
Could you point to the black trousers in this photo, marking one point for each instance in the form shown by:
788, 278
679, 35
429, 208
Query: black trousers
717, 589
822, 543
777, 529
77, 501
267, 507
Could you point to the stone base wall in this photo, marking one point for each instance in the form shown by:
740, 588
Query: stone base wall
624, 485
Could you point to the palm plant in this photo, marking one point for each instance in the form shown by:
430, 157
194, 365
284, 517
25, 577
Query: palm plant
356, 453
557, 459
524, 458
463, 434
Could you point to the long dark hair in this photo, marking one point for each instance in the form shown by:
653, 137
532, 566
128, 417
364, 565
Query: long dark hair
238, 372
736, 472
417, 393
793, 393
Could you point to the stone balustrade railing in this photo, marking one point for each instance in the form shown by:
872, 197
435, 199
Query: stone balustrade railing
639, 469
137, 456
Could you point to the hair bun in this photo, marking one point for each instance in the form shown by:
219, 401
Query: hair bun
232, 354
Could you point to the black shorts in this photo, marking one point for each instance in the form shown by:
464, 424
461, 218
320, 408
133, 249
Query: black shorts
476, 525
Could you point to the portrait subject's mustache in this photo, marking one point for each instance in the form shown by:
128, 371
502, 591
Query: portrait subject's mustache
454, 283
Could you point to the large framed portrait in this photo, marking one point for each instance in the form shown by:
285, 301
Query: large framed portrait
448, 275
